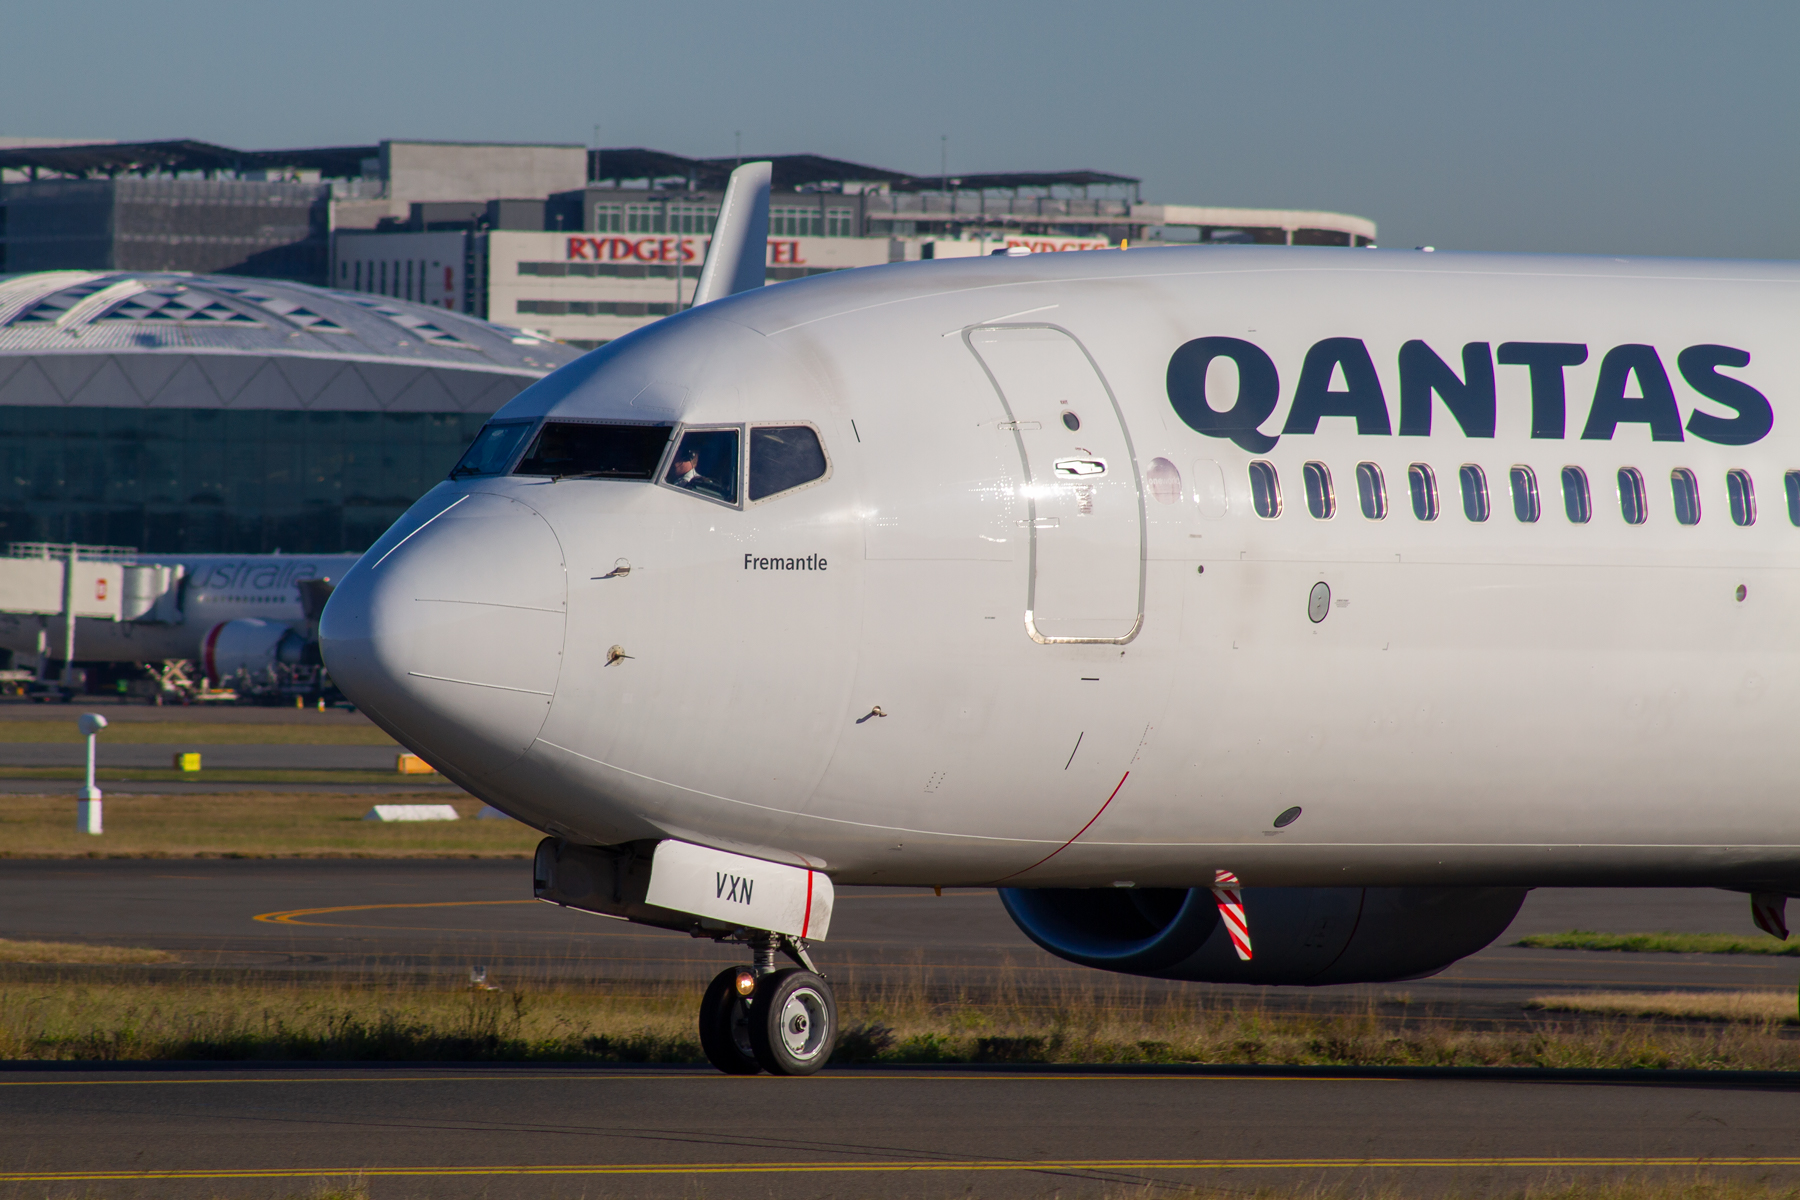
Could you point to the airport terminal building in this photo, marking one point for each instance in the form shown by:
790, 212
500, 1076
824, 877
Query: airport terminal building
208, 350
219, 414
579, 245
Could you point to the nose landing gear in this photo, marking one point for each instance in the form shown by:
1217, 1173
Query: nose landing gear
763, 1019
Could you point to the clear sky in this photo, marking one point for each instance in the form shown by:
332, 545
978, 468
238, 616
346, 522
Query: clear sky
1631, 128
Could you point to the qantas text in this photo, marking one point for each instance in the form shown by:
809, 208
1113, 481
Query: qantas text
1468, 394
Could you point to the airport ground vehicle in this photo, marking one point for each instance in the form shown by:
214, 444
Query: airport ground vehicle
1243, 614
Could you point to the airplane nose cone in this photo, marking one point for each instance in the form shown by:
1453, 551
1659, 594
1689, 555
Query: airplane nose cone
454, 636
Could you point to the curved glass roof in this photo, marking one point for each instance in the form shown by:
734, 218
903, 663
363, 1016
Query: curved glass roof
259, 343
154, 310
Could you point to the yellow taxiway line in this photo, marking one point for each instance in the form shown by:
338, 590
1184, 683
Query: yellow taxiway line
292, 916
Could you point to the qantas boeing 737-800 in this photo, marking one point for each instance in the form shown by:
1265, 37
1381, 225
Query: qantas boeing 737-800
1268, 615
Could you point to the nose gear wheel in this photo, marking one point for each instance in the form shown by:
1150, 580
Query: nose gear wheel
793, 1022
725, 1025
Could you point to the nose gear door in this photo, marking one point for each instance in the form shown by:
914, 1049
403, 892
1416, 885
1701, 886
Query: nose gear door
1084, 498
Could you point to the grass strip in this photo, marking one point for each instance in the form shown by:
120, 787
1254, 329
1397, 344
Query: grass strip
257, 825
200, 733
224, 775
183, 1015
1764, 1007
1662, 943
1682, 1185
1673, 1185
75, 952
245, 775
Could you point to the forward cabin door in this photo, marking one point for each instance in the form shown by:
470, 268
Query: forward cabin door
1084, 501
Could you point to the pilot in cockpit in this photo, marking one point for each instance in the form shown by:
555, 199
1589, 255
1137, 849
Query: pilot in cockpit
684, 472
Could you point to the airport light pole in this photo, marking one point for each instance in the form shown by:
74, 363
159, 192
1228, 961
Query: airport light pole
87, 808
69, 615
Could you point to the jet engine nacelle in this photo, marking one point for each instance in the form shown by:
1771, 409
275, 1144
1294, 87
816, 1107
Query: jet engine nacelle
1299, 935
251, 644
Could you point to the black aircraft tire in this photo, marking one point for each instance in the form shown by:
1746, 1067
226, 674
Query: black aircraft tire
793, 1022
725, 1026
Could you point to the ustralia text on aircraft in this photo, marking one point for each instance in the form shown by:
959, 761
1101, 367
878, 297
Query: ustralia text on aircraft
1242, 614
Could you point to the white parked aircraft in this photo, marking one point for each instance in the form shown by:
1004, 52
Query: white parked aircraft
1384, 585
222, 611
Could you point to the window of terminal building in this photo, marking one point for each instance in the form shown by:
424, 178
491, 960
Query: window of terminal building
840, 222
220, 481
692, 218
796, 222
643, 218
608, 218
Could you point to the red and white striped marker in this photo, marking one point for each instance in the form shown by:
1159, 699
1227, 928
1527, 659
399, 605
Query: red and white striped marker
1769, 909
1231, 911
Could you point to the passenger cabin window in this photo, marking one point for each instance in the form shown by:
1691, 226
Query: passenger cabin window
1742, 493
782, 458
1474, 491
492, 450
1631, 496
595, 450
1371, 491
1319, 500
1526, 505
706, 463
1578, 502
1791, 482
1686, 489
1423, 485
1265, 490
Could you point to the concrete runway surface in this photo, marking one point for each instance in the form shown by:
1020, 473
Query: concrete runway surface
447, 915
501, 1132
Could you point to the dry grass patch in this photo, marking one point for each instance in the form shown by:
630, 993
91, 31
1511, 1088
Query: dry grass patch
255, 824
1762, 1007
1674, 1185
75, 952
123, 1015
1662, 943
265, 776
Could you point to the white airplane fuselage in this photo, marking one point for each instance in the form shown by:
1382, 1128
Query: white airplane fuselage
989, 648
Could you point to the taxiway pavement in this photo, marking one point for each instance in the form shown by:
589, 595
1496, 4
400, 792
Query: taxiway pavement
543, 1133
438, 915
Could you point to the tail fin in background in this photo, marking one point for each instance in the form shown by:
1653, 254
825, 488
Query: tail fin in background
736, 259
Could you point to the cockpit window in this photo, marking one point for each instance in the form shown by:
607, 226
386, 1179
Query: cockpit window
783, 457
493, 449
706, 463
592, 450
